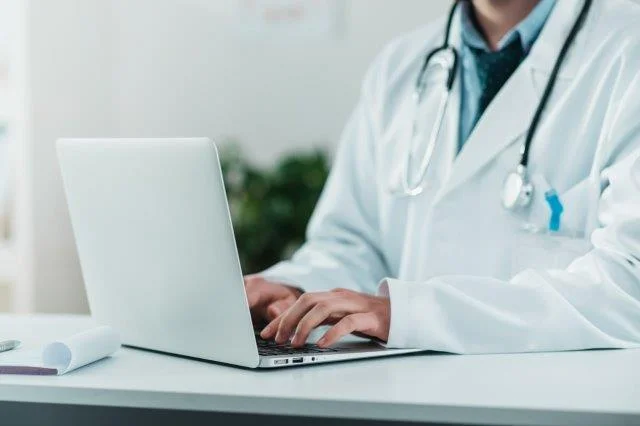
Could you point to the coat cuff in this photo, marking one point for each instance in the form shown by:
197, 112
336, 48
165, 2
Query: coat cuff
400, 311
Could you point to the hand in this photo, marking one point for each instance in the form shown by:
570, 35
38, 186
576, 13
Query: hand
267, 300
348, 311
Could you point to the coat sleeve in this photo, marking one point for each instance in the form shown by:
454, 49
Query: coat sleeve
343, 242
594, 303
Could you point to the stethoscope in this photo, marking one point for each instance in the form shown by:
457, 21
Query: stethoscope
518, 190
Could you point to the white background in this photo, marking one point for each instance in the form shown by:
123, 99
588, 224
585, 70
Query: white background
180, 68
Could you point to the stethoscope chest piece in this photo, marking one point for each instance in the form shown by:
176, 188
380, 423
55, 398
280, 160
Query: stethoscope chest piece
517, 191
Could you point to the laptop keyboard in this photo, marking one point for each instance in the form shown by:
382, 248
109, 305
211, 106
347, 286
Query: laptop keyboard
271, 348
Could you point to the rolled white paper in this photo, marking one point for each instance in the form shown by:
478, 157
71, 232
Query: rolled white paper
80, 349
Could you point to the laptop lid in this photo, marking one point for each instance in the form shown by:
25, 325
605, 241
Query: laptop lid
156, 245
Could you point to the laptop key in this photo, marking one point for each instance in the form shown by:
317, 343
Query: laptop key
270, 348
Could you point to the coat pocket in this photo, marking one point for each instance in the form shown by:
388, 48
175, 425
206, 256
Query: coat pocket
536, 250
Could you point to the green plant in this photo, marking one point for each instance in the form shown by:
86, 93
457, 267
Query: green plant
270, 207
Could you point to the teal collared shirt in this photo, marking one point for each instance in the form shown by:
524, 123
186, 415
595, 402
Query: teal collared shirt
528, 29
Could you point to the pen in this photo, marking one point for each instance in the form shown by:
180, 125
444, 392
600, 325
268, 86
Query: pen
8, 345
555, 205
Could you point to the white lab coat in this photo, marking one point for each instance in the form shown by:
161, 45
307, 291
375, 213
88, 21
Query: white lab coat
461, 273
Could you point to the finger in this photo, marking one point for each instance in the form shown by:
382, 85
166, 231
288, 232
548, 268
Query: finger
261, 294
278, 307
331, 304
254, 299
316, 316
330, 311
259, 311
253, 296
347, 325
261, 291
293, 315
270, 330
255, 292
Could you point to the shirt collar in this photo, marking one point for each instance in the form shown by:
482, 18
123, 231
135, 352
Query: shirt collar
528, 29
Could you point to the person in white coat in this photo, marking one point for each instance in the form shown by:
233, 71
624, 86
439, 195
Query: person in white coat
447, 267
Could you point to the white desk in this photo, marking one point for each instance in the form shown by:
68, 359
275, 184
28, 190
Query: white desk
582, 388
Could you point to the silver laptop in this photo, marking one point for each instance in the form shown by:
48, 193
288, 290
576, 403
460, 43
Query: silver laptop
158, 254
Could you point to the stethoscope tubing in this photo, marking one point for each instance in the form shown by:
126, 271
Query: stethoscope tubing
553, 79
410, 189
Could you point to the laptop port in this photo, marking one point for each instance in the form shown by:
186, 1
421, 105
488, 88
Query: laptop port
282, 361
297, 360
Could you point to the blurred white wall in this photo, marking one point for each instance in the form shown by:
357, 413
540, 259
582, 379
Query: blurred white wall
69, 88
179, 68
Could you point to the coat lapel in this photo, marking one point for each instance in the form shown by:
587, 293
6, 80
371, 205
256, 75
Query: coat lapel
509, 116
